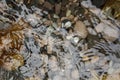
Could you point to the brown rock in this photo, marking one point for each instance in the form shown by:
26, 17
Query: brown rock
57, 8
48, 22
59, 23
48, 5
80, 29
41, 1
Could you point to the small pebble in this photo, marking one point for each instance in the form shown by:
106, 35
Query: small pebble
76, 39
75, 18
48, 5
68, 24
48, 22
68, 13
69, 37
57, 8
55, 16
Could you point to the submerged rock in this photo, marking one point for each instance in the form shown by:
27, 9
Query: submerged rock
109, 33
80, 29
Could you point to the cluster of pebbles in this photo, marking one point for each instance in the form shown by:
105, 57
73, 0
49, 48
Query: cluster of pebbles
70, 40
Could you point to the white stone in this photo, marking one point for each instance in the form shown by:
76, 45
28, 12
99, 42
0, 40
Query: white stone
76, 39
70, 36
68, 24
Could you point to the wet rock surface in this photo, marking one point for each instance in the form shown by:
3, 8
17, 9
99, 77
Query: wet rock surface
57, 40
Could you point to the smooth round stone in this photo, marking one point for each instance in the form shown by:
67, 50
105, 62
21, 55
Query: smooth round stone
76, 39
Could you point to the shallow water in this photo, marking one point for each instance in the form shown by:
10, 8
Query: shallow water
35, 50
